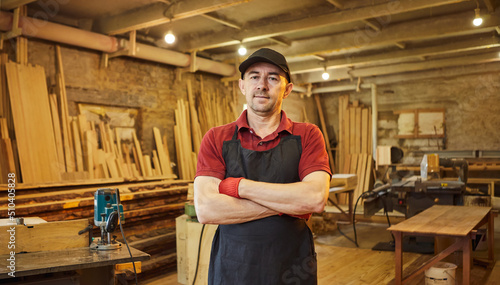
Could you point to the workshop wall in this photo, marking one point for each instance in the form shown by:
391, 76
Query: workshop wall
472, 112
152, 88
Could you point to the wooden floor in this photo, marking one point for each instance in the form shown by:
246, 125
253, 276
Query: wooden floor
341, 262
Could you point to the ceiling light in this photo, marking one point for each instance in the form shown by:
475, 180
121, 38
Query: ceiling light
325, 75
242, 50
477, 20
169, 38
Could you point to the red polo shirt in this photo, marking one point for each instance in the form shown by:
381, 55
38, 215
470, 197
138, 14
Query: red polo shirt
313, 158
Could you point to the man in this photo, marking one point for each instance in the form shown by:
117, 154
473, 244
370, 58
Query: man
260, 178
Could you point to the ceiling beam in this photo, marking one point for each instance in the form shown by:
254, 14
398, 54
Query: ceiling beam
387, 57
489, 5
343, 73
449, 25
319, 57
372, 24
420, 75
281, 41
11, 4
227, 37
159, 13
400, 45
338, 4
219, 20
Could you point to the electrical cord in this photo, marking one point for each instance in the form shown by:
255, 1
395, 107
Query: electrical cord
354, 217
123, 234
198, 258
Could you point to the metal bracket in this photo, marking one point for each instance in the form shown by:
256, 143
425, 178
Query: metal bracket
193, 67
128, 49
15, 31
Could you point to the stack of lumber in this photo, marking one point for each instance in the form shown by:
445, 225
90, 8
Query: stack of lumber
354, 149
150, 210
42, 143
192, 122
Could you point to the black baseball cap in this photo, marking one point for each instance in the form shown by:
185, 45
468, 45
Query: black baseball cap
269, 56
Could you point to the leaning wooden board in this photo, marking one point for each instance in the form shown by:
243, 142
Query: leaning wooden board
32, 123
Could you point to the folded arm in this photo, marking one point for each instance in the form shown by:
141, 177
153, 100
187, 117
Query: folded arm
306, 196
215, 208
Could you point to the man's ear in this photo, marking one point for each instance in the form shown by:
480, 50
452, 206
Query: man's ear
288, 90
241, 84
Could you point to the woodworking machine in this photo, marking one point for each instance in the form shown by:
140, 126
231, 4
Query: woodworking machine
415, 195
108, 214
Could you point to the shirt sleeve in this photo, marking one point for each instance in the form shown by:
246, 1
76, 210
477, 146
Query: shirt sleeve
314, 155
210, 160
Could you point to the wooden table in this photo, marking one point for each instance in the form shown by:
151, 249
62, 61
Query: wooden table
459, 222
96, 267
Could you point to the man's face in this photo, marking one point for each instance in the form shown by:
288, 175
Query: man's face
264, 86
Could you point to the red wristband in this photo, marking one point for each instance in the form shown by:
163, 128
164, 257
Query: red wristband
229, 186
303, 216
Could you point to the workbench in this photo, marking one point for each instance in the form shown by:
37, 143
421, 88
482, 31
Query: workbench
331, 209
95, 267
459, 222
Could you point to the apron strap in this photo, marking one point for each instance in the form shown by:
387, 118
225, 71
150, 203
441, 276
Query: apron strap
235, 135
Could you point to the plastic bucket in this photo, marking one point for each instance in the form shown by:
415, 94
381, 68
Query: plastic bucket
442, 273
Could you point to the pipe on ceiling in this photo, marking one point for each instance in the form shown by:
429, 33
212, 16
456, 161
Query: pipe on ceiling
43, 29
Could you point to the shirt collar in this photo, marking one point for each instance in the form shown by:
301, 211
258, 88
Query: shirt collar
285, 123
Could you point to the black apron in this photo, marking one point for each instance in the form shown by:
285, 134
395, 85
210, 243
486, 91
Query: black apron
272, 250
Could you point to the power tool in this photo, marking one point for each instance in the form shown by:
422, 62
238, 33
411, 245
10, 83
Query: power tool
108, 214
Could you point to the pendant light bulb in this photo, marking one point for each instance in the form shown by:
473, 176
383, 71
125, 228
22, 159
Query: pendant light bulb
242, 50
477, 20
325, 75
169, 38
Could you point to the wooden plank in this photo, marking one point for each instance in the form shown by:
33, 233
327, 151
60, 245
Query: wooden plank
57, 132
140, 158
156, 163
46, 236
147, 165
101, 164
324, 130
167, 154
4, 103
368, 173
78, 145
370, 138
7, 159
118, 145
195, 125
63, 107
88, 152
112, 167
352, 130
180, 157
33, 123
364, 130
362, 174
354, 163
357, 136
347, 145
162, 157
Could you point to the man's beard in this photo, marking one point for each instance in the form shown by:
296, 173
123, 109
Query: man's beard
262, 108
